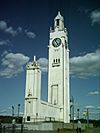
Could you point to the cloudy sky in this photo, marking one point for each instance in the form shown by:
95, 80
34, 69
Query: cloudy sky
24, 32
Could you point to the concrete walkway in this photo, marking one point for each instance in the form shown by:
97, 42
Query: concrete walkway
93, 130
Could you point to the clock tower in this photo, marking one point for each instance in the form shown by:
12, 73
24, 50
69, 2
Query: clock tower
58, 106
58, 68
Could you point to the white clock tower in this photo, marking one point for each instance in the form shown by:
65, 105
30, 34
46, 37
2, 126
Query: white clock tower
58, 70
58, 106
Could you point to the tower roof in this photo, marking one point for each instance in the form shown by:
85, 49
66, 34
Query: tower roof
59, 16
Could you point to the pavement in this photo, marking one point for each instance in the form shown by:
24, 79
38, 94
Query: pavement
92, 130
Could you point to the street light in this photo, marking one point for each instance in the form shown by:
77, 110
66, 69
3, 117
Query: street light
88, 117
98, 111
87, 113
12, 111
78, 113
18, 109
72, 110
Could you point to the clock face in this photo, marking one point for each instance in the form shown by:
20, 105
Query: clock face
56, 42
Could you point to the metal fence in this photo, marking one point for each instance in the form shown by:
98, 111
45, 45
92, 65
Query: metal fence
11, 128
19, 128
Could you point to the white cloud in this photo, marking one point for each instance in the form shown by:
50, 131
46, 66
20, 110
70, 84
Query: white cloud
12, 64
19, 29
3, 25
94, 93
10, 30
30, 34
7, 29
43, 63
5, 42
3, 111
4, 53
98, 107
95, 16
89, 107
87, 65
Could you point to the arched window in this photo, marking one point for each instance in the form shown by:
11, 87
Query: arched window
57, 22
58, 60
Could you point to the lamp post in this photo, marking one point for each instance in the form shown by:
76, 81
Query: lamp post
73, 110
87, 117
12, 111
18, 109
78, 113
87, 114
98, 112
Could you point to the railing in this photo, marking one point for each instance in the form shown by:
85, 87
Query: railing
11, 128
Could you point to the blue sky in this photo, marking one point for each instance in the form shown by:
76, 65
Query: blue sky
24, 32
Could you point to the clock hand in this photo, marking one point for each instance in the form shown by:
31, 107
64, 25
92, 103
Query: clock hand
56, 42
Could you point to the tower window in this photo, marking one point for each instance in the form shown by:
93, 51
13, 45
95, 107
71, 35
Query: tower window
58, 60
28, 118
56, 63
57, 22
65, 44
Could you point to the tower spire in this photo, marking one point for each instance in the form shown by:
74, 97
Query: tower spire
59, 13
34, 58
59, 22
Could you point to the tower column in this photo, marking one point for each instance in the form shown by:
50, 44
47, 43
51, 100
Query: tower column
66, 90
33, 91
58, 74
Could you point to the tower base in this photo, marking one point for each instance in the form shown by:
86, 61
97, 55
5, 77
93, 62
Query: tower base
51, 126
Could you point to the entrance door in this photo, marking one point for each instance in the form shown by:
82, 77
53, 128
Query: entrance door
54, 94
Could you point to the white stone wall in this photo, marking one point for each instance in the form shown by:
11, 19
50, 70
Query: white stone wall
49, 111
43, 111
